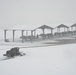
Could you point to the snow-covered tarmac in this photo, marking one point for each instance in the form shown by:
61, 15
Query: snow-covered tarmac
52, 60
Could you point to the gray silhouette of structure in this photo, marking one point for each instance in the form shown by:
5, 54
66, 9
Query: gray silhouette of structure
33, 37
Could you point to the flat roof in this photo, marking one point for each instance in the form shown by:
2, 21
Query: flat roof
26, 27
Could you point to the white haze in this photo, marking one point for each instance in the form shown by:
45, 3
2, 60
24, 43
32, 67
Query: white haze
37, 12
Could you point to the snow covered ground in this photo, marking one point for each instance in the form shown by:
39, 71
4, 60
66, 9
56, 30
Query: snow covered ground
52, 60
49, 60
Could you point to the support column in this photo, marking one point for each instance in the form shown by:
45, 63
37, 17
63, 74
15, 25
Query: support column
5, 35
64, 29
22, 36
67, 29
26, 32
57, 30
51, 31
71, 28
13, 35
75, 28
31, 36
26, 35
43, 31
34, 32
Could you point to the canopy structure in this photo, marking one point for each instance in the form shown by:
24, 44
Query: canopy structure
22, 28
43, 27
26, 28
73, 26
62, 26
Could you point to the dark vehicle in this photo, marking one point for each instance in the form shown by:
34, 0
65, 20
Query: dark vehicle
13, 52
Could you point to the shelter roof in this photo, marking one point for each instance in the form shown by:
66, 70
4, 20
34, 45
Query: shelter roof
44, 27
62, 25
74, 25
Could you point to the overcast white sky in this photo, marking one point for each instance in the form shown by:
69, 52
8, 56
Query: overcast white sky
37, 12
